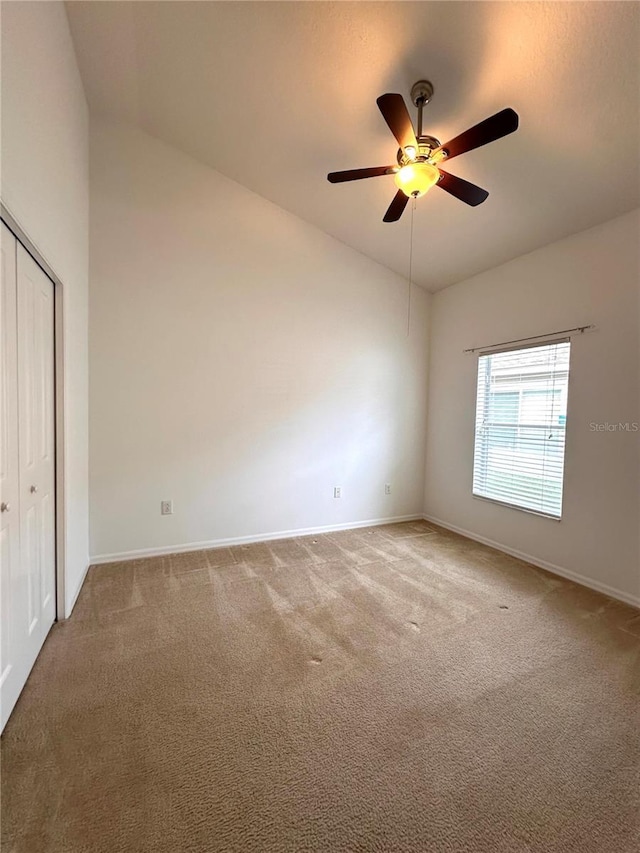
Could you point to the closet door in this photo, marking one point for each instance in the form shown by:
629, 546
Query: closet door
36, 444
28, 467
14, 659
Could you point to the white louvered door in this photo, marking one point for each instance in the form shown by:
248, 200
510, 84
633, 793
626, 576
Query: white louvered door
27, 468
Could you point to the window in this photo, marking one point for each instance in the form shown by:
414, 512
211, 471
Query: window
521, 414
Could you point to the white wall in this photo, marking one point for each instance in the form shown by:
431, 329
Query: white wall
45, 186
243, 363
592, 277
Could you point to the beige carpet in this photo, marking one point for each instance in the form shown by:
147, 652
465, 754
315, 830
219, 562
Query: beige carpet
387, 690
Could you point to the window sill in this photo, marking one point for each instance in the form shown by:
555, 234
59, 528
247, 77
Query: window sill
515, 506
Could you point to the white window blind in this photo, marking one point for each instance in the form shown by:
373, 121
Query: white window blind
521, 414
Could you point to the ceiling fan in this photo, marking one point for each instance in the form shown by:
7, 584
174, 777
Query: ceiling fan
419, 155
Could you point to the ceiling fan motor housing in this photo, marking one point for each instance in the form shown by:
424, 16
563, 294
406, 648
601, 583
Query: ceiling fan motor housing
426, 146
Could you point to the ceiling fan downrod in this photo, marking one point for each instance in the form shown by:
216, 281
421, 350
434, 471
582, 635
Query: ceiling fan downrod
421, 94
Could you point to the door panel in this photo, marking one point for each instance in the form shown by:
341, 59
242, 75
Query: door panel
7, 557
28, 467
13, 658
48, 550
36, 430
31, 567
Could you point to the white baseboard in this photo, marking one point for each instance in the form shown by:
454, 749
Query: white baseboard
245, 540
543, 564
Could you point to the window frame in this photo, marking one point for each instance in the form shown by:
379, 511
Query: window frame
517, 426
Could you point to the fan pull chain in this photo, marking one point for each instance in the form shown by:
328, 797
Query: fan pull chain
413, 207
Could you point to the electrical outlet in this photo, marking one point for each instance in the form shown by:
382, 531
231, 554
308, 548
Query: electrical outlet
337, 492
166, 507
387, 488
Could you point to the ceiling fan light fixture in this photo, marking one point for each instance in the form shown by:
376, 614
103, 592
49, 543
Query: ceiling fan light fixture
416, 179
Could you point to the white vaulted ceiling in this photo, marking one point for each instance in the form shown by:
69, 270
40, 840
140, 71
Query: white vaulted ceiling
275, 95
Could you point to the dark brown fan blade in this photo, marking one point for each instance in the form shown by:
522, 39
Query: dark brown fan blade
396, 208
495, 127
465, 191
395, 113
358, 174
